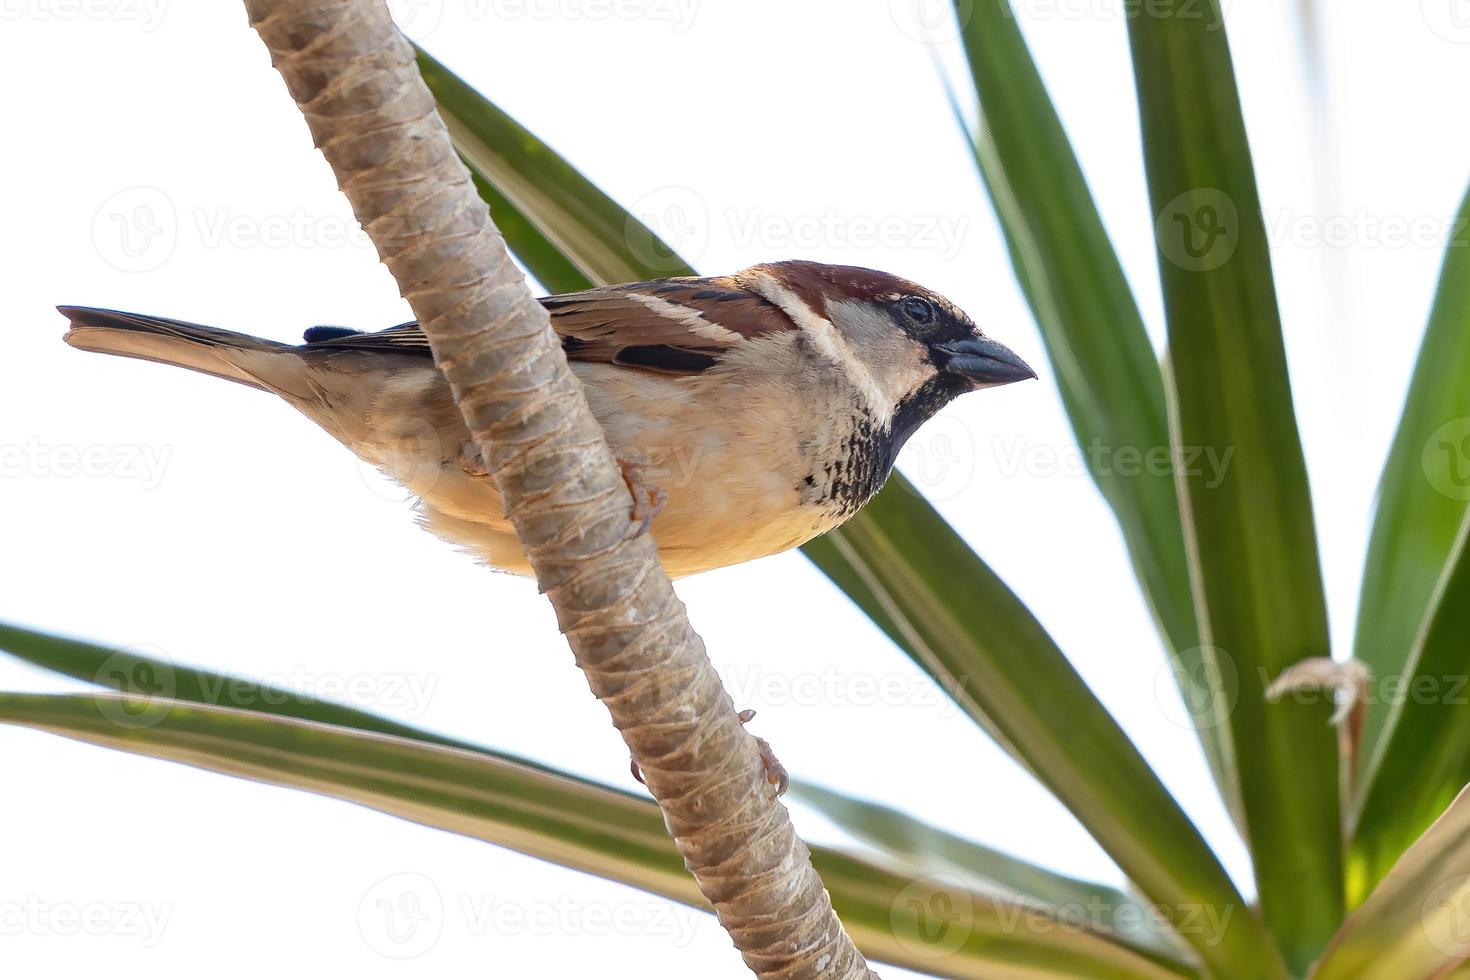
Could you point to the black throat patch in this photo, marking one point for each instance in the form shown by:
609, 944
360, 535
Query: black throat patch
863, 461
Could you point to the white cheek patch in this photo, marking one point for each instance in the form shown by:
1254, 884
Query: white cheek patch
686, 317
830, 344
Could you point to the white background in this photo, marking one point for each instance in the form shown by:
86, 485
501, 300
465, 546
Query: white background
217, 527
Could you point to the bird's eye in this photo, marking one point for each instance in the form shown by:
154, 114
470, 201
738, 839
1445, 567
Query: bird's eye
918, 309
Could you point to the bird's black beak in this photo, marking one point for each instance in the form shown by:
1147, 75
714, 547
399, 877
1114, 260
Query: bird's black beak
982, 362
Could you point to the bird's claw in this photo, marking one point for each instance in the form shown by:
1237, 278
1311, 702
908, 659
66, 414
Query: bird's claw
776, 773
648, 501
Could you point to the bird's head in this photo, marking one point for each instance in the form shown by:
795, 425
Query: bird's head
910, 350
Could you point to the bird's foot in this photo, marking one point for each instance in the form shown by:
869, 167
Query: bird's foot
648, 501
776, 773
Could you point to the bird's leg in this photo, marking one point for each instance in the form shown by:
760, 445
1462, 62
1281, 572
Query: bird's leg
648, 501
776, 773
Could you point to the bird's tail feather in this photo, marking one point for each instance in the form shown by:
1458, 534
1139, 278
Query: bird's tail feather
222, 353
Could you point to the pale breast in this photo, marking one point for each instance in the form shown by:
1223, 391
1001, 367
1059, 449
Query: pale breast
749, 469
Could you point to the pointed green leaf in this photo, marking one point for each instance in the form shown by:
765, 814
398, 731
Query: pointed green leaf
590, 229
981, 644
1248, 514
1414, 923
927, 849
141, 676
1425, 757
580, 825
1104, 364
1423, 492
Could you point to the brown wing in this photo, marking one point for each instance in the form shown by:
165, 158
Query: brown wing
674, 326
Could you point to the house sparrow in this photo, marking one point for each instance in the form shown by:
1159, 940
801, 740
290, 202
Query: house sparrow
766, 406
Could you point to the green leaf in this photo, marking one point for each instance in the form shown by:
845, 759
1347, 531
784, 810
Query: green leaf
1104, 364
981, 644
1425, 760
1248, 514
1413, 922
588, 228
141, 676
923, 924
926, 849
1423, 491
